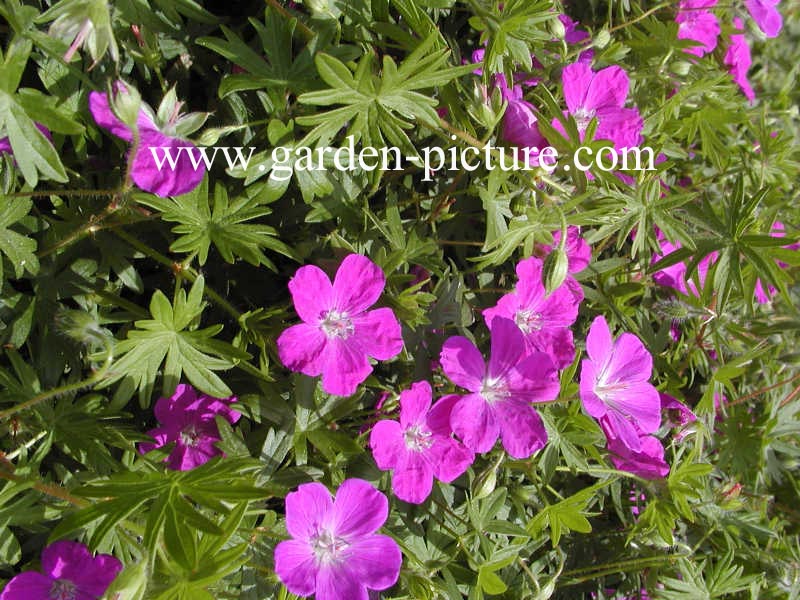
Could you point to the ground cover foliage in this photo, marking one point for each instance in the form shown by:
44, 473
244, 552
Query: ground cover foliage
189, 315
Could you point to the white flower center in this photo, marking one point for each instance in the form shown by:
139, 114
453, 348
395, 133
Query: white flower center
608, 390
494, 390
327, 548
189, 436
528, 320
337, 325
63, 589
417, 438
583, 117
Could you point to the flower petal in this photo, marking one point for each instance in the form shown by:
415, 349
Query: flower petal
412, 480
378, 333
359, 509
521, 428
336, 582
415, 403
165, 181
300, 348
598, 341
450, 458
508, 347
473, 422
345, 366
375, 561
295, 566
534, 379
307, 509
387, 444
576, 79
29, 585
358, 284
609, 87
438, 419
312, 293
463, 363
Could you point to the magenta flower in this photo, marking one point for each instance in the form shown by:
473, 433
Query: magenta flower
187, 420
335, 552
615, 384
765, 14
169, 180
600, 95
698, 24
544, 319
647, 461
420, 446
70, 572
499, 404
338, 334
738, 60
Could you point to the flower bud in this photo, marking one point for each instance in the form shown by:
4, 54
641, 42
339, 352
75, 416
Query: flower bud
601, 39
555, 269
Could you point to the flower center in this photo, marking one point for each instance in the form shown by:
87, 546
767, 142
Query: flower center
189, 436
337, 325
583, 117
417, 438
494, 390
528, 320
63, 589
327, 548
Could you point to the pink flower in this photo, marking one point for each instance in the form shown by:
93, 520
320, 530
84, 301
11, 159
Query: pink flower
338, 334
499, 404
419, 447
600, 95
579, 253
766, 16
187, 420
70, 571
698, 24
615, 385
544, 319
335, 552
647, 461
738, 60
145, 173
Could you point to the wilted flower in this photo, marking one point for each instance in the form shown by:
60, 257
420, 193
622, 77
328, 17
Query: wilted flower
766, 16
502, 393
738, 60
187, 420
335, 552
544, 319
338, 334
419, 447
698, 24
600, 95
615, 385
69, 572
171, 179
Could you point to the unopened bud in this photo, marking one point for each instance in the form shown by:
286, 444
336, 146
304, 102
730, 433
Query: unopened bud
601, 39
555, 269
